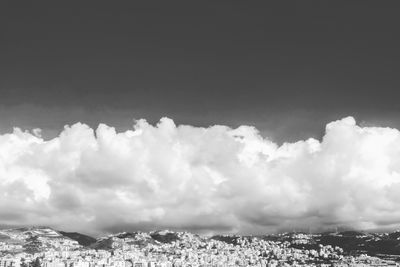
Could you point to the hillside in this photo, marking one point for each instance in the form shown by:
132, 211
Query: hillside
82, 239
34, 239
39, 239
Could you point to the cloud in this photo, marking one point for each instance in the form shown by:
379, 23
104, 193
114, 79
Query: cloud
202, 179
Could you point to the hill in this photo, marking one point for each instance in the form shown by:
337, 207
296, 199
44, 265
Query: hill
39, 239
34, 239
82, 239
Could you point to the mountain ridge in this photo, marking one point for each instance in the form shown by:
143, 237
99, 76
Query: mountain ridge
40, 238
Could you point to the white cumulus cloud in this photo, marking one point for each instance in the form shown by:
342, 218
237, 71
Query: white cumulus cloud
201, 179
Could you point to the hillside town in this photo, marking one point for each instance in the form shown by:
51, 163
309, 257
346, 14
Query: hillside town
45, 247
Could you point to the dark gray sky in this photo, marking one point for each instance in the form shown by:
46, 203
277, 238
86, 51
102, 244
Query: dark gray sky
286, 67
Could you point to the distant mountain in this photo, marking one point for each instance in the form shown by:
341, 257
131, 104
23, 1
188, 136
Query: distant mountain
119, 240
352, 242
142, 239
38, 239
82, 239
395, 235
35, 239
104, 243
165, 236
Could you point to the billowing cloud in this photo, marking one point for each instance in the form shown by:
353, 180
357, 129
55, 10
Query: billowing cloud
202, 179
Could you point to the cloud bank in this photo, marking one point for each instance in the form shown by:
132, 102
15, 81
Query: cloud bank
215, 179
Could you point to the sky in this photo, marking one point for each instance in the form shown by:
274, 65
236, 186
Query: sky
223, 116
